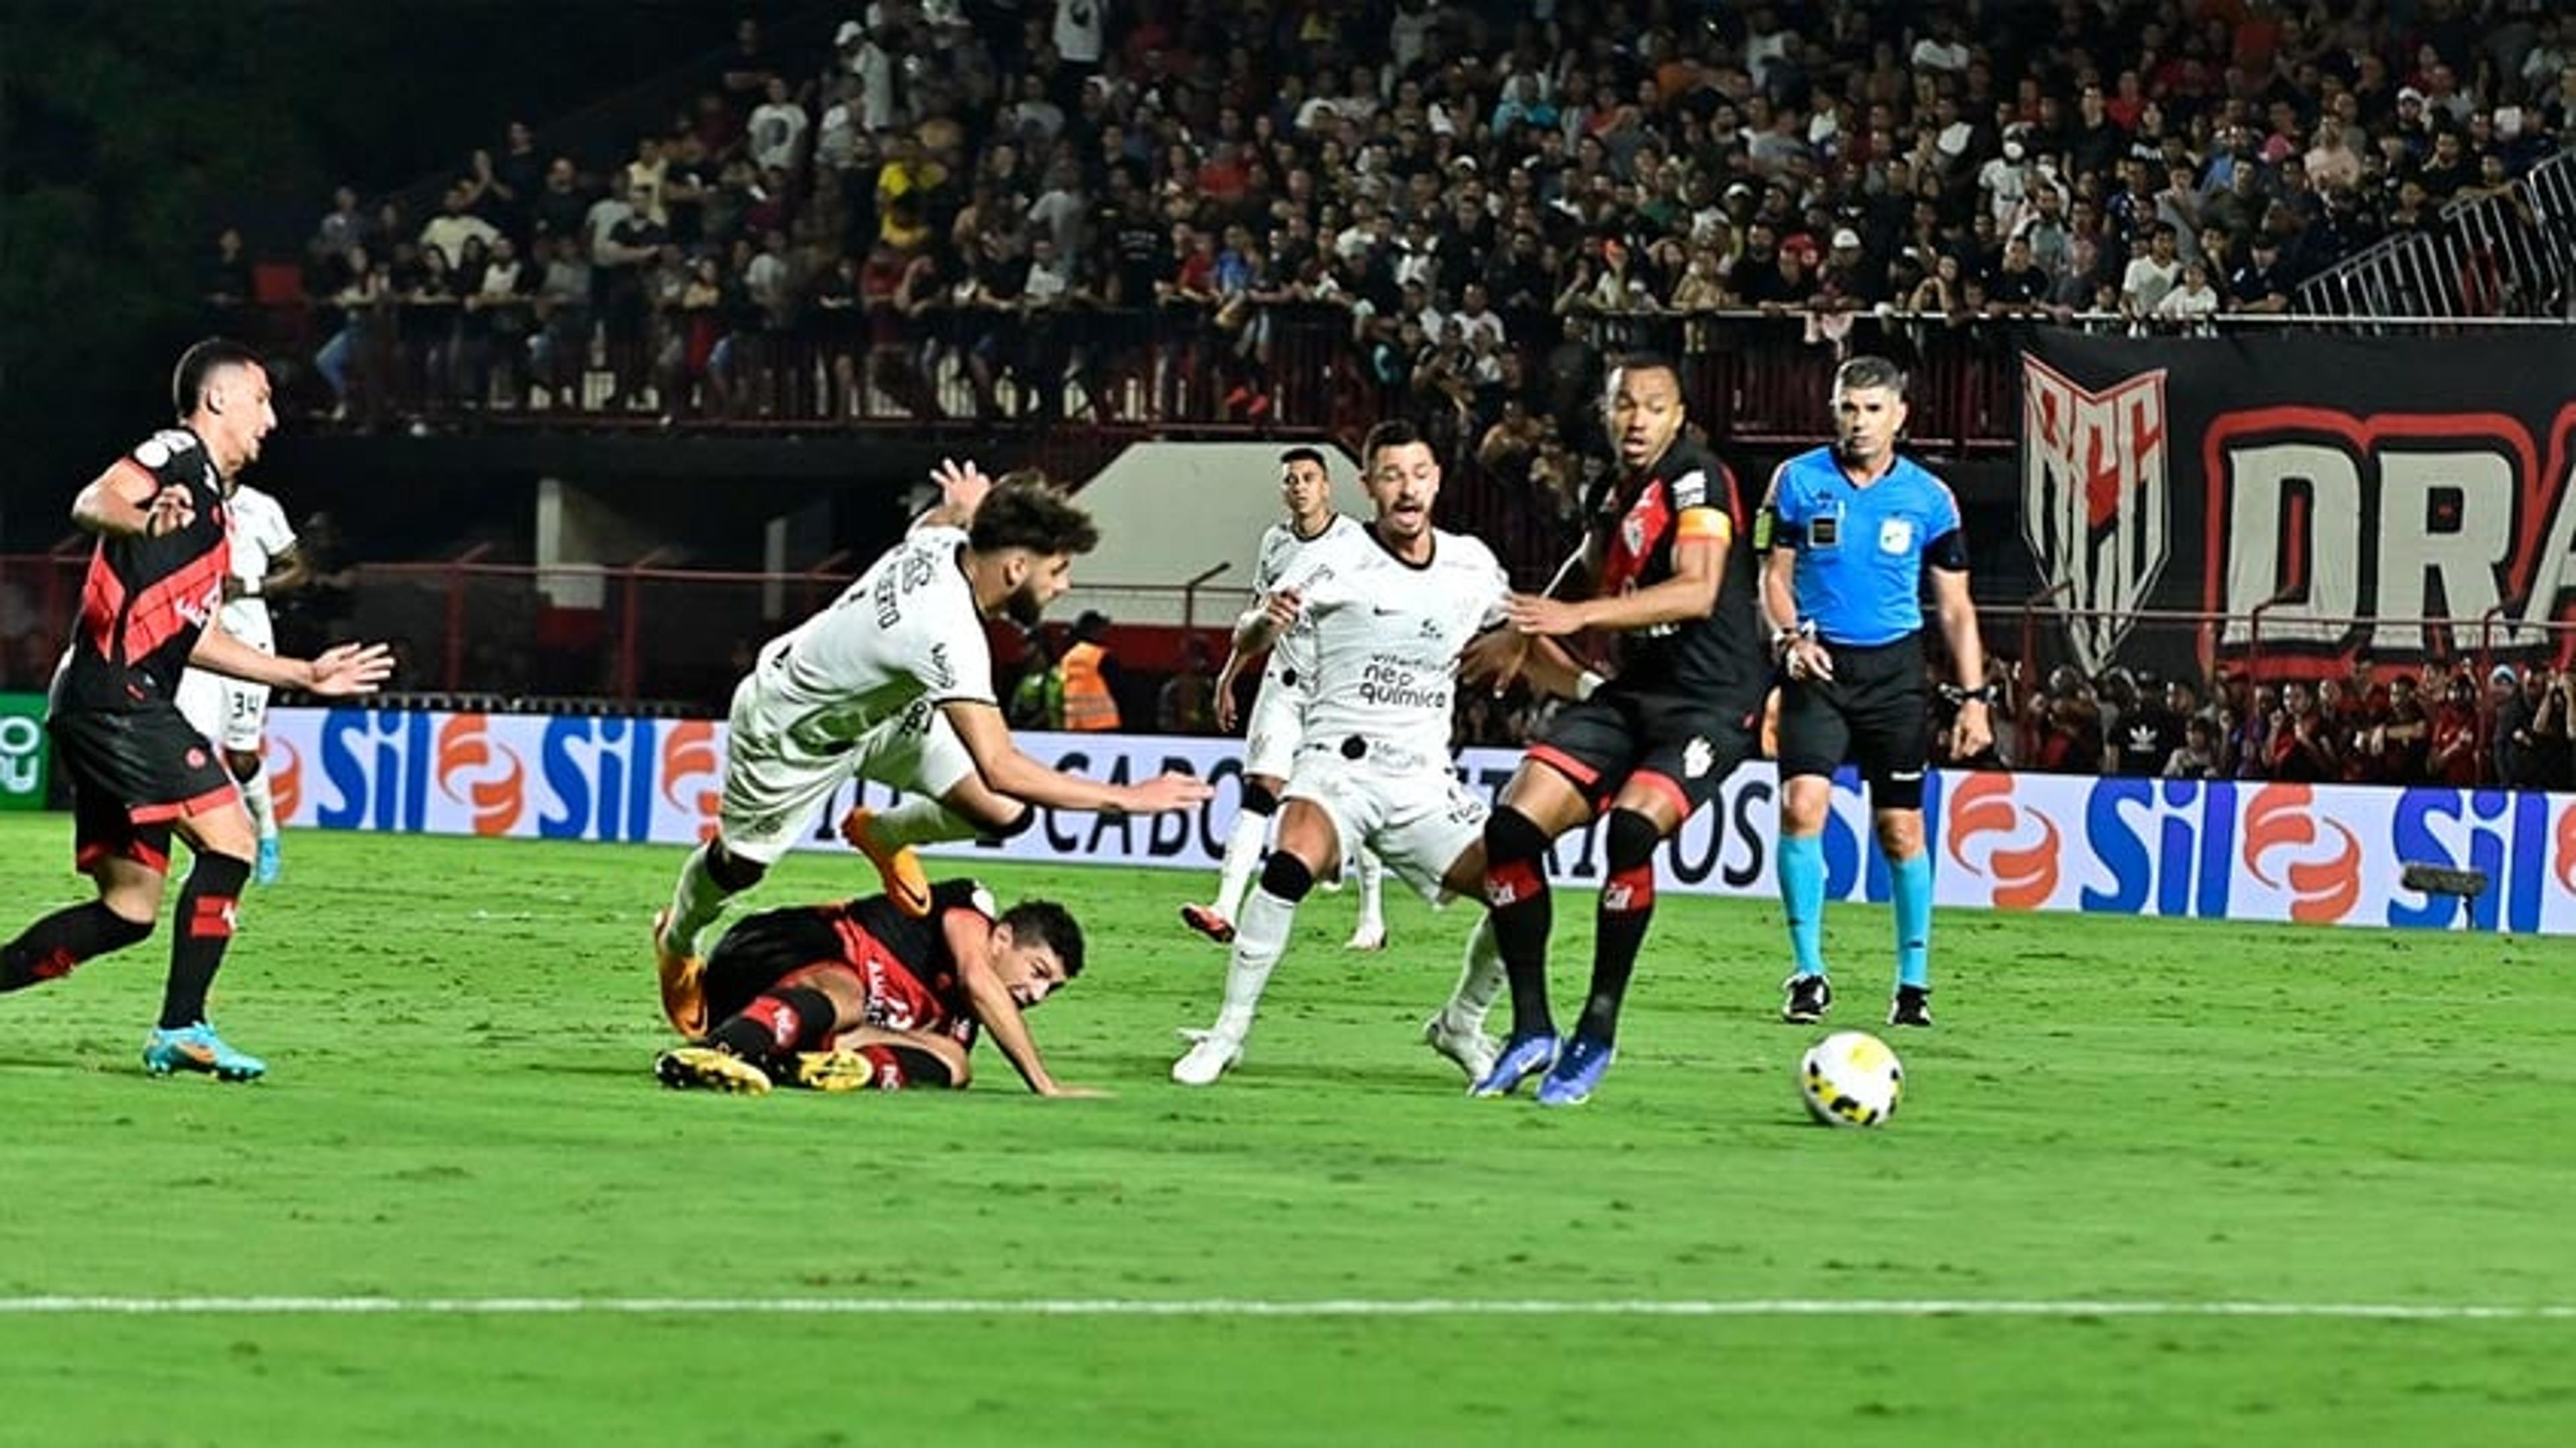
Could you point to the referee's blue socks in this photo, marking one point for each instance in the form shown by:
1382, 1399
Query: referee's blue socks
1910, 888
1802, 898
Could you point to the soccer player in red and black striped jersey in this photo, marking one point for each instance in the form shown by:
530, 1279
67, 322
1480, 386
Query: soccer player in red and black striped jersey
863, 996
139, 772
1668, 568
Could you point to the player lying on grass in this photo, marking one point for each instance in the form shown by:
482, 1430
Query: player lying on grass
864, 996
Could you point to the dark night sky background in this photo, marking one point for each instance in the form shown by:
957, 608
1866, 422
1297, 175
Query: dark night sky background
132, 131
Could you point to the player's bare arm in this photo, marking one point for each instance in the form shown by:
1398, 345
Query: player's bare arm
969, 938
126, 502
988, 741
287, 572
1699, 564
1548, 668
340, 672
1958, 617
1260, 627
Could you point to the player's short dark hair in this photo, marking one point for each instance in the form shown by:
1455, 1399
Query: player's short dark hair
1648, 362
1049, 925
1394, 432
1024, 510
188, 379
1297, 455
1867, 371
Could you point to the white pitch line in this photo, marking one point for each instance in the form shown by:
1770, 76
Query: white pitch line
69, 1306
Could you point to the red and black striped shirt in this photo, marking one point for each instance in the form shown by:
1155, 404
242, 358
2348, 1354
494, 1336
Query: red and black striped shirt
146, 600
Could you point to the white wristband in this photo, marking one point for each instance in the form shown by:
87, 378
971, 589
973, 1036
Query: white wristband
1587, 683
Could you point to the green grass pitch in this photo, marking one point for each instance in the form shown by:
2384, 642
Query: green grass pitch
461, 1110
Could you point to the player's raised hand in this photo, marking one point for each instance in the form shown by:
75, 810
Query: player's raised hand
346, 670
1547, 618
1497, 654
1166, 794
961, 485
172, 509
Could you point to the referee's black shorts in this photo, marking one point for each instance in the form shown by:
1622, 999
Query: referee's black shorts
1874, 712
132, 773
1682, 746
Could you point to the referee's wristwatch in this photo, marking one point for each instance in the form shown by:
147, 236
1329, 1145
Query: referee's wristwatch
1784, 637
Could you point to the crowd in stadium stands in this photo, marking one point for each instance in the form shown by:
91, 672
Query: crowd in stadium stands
2367, 725
1482, 201
1479, 191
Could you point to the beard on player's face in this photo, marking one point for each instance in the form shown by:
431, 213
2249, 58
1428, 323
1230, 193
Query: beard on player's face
1026, 606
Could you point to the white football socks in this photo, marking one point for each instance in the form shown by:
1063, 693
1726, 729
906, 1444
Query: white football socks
919, 820
695, 902
1480, 979
261, 804
1260, 937
1243, 851
1372, 873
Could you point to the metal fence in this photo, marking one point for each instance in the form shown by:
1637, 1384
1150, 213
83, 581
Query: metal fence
2504, 254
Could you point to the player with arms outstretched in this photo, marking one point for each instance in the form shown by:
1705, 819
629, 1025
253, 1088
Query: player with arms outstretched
1855, 530
1670, 575
234, 712
864, 996
140, 772
1392, 609
1277, 722
894, 682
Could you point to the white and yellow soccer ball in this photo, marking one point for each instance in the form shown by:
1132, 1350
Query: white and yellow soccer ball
1851, 1078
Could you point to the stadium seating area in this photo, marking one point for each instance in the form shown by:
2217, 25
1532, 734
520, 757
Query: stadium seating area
1125, 208
1307, 214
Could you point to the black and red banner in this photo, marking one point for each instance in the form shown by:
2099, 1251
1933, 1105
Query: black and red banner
2406, 495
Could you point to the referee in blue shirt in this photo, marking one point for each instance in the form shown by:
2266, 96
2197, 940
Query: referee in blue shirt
1853, 530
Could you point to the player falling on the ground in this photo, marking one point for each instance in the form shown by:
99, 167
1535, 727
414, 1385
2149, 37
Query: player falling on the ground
1671, 577
894, 682
140, 773
1392, 608
865, 996
234, 712
1854, 529
1277, 722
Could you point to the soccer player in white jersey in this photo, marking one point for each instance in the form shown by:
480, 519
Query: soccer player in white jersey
894, 682
1392, 608
233, 713
1278, 710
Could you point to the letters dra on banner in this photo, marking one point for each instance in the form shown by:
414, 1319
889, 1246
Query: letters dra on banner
2381, 493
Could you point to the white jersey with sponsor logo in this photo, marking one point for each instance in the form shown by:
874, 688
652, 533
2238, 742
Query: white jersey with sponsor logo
256, 526
906, 631
1387, 638
1292, 658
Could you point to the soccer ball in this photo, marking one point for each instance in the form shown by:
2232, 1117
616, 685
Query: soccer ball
1851, 1078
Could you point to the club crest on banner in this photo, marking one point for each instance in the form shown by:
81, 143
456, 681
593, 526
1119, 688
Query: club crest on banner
2097, 506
